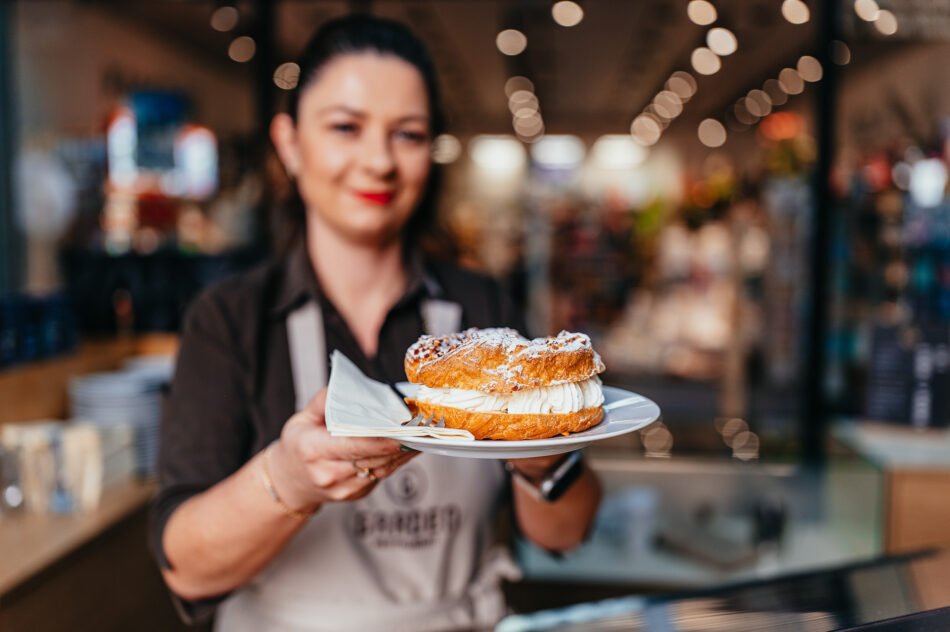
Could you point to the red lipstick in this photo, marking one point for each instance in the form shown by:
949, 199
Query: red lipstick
384, 197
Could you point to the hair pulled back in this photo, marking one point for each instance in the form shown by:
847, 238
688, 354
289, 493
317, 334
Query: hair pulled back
359, 33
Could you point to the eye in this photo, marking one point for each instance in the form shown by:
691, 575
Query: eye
344, 128
412, 136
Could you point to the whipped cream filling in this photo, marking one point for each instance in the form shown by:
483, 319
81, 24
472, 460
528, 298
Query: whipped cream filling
568, 397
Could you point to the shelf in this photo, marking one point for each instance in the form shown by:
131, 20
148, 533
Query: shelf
38, 390
32, 542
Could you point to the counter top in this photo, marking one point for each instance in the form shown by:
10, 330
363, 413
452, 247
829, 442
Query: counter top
29, 543
892, 446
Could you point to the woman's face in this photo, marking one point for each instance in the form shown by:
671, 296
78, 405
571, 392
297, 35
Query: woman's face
361, 147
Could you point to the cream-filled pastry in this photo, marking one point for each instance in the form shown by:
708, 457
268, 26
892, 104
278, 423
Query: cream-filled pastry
499, 385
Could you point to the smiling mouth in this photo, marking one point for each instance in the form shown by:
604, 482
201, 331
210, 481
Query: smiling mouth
384, 197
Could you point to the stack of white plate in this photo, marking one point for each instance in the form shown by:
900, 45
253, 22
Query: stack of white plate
128, 397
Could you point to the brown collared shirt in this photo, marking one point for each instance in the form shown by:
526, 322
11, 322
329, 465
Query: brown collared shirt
233, 388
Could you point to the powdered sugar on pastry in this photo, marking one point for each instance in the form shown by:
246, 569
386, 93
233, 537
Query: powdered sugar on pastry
501, 360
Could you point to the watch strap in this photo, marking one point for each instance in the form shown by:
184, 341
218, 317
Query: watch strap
556, 481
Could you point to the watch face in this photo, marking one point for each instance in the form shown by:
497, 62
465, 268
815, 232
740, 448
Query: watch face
565, 473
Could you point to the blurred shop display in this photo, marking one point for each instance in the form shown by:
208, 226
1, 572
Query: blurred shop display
59, 467
35, 327
141, 292
135, 220
63, 467
130, 397
891, 339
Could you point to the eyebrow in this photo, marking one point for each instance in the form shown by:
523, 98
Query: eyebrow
360, 114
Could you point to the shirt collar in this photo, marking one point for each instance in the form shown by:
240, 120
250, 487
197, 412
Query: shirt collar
298, 283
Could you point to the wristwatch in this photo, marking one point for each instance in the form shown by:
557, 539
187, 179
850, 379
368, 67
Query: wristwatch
556, 481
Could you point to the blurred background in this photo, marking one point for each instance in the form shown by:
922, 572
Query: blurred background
743, 202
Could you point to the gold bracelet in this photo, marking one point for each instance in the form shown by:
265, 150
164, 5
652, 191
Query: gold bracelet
269, 486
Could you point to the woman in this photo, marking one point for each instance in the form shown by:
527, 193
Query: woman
261, 513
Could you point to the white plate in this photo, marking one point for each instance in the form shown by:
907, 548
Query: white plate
624, 411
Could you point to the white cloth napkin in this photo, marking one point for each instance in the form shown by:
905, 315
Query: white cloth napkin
360, 407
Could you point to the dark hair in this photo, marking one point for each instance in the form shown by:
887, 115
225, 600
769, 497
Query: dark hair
360, 33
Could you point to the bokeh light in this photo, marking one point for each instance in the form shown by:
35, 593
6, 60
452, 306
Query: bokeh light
840, 53
516, 83
705, 62
711, 133
567, 13
242, 49
525, 112
795, 11
225, 18
287, 75
683, 84
758, 103
668, 100
867, 10
886, 22
742, 113
446, 149
721, 41
661, 116
809, 68
657, 441
791, 81
745, 446
529, 126
646, 130
511, 42
731, 428
774, 89
522, 98
701, 12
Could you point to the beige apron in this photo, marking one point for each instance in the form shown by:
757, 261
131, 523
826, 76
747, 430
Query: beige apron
416, 554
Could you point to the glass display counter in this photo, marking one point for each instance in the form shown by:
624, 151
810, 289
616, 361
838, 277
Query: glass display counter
897, 594
691, 523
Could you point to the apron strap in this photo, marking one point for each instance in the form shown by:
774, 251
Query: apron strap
308, 351
441, 317
308, 348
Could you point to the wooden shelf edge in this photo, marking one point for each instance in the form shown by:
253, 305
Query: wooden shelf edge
38, 390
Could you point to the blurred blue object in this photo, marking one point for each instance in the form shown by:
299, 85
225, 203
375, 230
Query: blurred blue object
35, 327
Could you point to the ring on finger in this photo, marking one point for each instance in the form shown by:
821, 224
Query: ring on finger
363, 472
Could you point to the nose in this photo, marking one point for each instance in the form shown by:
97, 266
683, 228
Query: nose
377, 155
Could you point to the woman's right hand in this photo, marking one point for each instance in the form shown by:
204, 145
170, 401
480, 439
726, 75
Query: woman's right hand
310, 467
